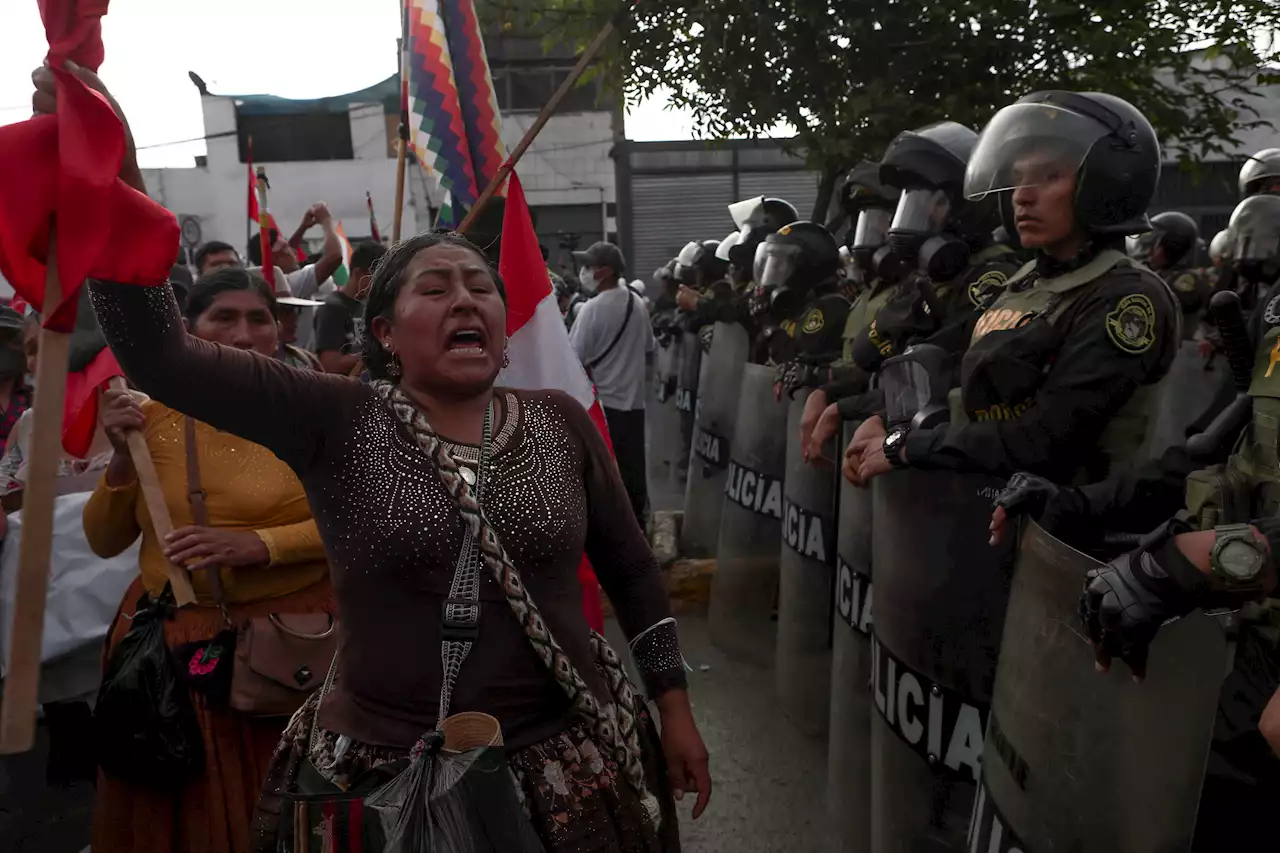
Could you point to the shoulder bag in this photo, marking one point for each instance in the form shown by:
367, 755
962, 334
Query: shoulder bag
626, 320
265, 666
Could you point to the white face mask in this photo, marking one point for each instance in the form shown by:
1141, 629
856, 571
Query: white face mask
587, 278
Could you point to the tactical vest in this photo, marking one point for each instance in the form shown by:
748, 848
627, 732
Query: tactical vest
1049, 298
863, 310
997, 252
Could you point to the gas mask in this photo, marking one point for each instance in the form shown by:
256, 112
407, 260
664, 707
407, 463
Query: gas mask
869, 235
917, 239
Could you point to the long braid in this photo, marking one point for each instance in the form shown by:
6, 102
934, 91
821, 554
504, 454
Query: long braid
614, 724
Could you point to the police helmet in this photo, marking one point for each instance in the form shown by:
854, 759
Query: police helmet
1255, 237
1176, 233
1261, 173
1104, 141
761, 212
863, 188
1220, 247
700, 256
793, 260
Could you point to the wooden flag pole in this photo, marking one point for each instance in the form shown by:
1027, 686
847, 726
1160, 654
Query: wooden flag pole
22, 682
543, 117
153, 496
402, 143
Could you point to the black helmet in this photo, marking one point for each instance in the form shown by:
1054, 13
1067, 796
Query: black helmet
863, 188
1104, 141
934, 227
792, 261
760, 212
1260, 170
700, 257
1175, 232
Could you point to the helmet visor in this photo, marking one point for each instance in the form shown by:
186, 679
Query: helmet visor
775, 263
722, 252
748, 213
873, 225
1255, 229
1139, 247
1220, 246
1259, 170
1027, 145
687, 262
921, 211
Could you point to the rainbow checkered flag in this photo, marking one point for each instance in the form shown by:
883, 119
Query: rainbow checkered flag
454, 125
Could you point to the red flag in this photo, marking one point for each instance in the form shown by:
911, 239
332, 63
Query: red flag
541, 355
255, 217
80, 417
60, 171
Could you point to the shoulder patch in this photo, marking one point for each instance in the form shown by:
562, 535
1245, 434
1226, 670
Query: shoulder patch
1186, 283
813, 321
981, 290
1271, 314
1132, 325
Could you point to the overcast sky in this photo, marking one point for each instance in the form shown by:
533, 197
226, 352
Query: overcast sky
291, 48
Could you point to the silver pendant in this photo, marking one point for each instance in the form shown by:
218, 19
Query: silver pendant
468, 475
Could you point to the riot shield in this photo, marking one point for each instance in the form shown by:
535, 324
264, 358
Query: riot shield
849, 738
1082, 761
663, 422
940, 598
744, 591
717, 409
1187, 392
802, 674
688, 368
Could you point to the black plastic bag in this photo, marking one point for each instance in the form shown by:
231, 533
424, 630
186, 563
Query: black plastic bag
143, 722
455, 801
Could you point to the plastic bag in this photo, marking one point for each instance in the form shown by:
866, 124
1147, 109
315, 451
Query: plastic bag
453, 800
144, 723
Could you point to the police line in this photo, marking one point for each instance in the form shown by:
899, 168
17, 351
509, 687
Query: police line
853, 598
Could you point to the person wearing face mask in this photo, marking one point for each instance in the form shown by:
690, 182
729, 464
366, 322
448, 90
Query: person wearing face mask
612, 337
257, 552
15, 394
340, 319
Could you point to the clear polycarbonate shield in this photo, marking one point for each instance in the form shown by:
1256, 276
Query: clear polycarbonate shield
775, 262
748, 213
873, 225
722, 251
1028, 145
1255, 229
1263, 166
921, 211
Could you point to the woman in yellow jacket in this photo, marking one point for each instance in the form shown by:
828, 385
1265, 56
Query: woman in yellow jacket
260, 533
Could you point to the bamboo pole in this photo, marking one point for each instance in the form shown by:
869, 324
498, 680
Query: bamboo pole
153, 496
22, 682
534, 129
402, 142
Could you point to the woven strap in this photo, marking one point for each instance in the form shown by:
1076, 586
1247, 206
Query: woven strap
613, 725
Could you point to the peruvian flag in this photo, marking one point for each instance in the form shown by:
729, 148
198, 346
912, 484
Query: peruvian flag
541, 356
254, 215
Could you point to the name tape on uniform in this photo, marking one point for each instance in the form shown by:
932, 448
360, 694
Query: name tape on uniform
807, 533
853, 597
939, 724
989, 832
711, 448
752, 490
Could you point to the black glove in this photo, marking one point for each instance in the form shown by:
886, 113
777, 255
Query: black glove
1125, 602
1058, 509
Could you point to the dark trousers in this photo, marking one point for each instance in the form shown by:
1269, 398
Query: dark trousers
626, 428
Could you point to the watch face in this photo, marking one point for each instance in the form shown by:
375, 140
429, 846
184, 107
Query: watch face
893, 439
1239, 561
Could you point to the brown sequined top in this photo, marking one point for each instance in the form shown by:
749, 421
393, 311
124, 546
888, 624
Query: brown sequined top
392, 534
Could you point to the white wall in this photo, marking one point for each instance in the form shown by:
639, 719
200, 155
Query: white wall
568, 164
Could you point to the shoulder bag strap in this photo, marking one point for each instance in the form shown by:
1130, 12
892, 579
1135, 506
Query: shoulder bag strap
626, 318
199, 510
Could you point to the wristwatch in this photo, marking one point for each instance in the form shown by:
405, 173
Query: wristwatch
894, 441
1238, 557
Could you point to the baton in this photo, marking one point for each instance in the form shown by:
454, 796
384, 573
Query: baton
1227, 316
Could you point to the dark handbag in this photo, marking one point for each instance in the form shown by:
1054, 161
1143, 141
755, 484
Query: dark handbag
267, 665
143, 721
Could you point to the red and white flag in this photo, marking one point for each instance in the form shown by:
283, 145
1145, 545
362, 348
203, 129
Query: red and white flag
541, 355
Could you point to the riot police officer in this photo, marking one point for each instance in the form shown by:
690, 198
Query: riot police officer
940, 250
1169, 250
1261, 174
1079, 334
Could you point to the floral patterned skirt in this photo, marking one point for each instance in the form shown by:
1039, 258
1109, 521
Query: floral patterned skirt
575, 797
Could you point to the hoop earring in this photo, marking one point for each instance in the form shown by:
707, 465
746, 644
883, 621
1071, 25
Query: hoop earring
393, 367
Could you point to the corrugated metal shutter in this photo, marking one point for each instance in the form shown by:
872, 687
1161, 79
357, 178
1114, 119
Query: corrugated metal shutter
670, 210
799, 188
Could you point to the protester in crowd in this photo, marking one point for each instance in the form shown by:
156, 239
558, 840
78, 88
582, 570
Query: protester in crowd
305, 280
288, 308
395, 534
215, 255
260, 538
15, 392
612, 336
340, 319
